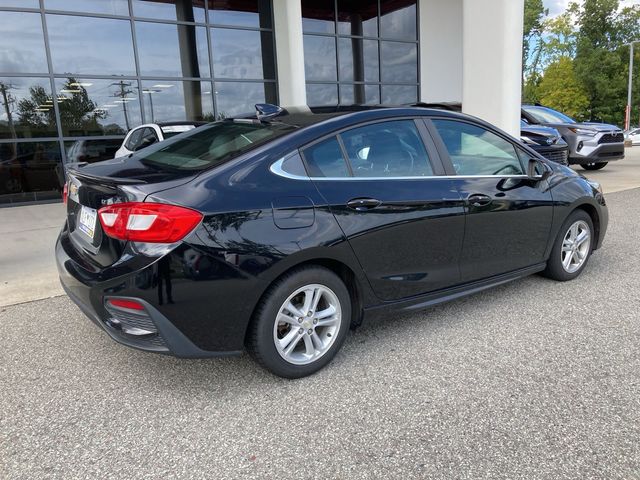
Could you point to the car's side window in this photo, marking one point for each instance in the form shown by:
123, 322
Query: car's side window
134, 139
387, 149
148, 137
475, 150
325, 159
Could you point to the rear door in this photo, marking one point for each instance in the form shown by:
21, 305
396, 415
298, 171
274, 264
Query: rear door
404, 221
508, 214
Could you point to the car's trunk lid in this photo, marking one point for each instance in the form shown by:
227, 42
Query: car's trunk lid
92, 186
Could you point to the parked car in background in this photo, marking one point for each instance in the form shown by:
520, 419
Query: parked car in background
633, 135
546, 141
591, 145
281, 231
150, 133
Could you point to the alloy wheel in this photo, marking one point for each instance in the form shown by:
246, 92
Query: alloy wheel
575, 246
307, 324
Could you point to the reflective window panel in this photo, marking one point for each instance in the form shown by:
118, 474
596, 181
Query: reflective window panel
399, 94
242, 54
233, 98
177, 100
322, 94
108, 7
20, 3
30, 171
182, 10
399, 62
363, 54
320, 58
359, 94
167, 50
241, 13
318, 16
85, 45
356, 17
97, 107
22, 44
92, 150
398, 19
26, 108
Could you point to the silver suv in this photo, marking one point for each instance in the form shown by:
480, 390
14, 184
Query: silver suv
591, 145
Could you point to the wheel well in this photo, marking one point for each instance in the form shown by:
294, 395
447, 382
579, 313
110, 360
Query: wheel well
346, 275
593, 213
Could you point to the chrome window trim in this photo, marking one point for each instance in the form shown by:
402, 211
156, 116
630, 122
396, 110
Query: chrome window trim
276, 168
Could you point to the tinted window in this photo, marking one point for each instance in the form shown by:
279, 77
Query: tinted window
387, 149
29, 112
477, 151
148, 137
398, 19
243, 13
211, 145
324, 159
294, 166
184, 10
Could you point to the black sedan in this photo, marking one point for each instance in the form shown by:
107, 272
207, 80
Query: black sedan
277, 233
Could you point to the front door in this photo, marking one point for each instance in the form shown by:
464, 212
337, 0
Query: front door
404, 223
508, 214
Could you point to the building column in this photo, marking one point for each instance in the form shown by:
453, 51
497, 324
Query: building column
492, 61
287, 17
440, 27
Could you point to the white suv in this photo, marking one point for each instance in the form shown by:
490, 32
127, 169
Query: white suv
150, 133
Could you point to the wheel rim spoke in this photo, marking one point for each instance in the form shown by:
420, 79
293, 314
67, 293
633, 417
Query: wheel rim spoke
283, 318
293, 309
308, 345
291, 338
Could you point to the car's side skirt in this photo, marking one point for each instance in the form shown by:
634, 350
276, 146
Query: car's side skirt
453, 293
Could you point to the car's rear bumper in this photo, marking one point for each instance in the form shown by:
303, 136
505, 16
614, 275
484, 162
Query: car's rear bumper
86, 291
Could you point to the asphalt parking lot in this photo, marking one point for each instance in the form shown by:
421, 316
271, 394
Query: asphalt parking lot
534, 379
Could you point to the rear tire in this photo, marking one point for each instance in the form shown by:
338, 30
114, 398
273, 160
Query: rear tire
572, 248
300, 323
594, 166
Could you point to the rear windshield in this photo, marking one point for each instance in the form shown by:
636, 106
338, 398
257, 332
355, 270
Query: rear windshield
547, 115
211, 145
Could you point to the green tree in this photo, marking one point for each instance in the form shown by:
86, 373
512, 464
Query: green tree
601, 65
533, 28
560, 89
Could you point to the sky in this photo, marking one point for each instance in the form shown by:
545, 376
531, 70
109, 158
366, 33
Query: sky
556, 7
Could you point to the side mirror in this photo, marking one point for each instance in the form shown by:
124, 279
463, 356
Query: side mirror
537, 170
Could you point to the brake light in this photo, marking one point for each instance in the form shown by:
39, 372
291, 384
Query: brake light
148, 222
65, 192
123, 303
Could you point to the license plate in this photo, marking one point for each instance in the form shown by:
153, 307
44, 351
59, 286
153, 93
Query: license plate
87, 224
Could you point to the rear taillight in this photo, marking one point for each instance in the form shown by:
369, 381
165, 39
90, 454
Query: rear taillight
65, 192
148, 222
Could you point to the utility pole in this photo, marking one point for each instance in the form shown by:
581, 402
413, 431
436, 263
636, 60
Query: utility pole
122, 94
7, 100
627, 117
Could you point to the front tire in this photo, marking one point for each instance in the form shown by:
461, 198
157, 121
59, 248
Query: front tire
594, 166
301, 322
572, 247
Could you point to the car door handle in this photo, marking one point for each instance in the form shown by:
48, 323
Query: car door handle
479, 200
363, 204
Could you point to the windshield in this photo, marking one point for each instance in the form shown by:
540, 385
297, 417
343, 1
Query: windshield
547, 115
211, 145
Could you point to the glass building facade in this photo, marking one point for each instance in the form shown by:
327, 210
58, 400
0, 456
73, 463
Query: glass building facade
363, 52
76, 75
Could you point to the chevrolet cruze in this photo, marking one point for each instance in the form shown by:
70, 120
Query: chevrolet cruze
278, 232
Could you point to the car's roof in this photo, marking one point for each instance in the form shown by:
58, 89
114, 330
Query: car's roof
183, 122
